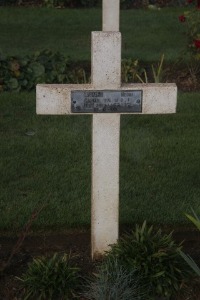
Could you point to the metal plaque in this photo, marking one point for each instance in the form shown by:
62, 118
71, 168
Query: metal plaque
106, 101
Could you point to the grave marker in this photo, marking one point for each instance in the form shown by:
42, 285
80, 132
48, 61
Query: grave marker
106, 99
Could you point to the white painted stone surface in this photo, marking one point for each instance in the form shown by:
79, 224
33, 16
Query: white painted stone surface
55, 99
106, 60
111, 15
105, 181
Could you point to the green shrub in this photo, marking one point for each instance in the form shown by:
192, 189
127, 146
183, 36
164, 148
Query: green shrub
85, 3
113, 281
50, 278
70, 3
23, 73
156, 258
132, 72
191, 19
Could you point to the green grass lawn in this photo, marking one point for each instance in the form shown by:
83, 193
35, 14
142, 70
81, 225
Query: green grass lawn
146, 34
159, 165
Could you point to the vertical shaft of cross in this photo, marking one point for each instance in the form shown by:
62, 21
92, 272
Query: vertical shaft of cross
111, 15
106, 74
105, 182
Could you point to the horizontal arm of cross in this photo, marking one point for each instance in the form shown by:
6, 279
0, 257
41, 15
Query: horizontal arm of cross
55, 99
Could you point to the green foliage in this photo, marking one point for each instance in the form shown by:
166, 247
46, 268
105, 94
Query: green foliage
85, 3
156, 258
191, 263
125, 4
23, 73
131, 71
50, 278
196, 221
70, 3
158, 70
113, 281
191, 20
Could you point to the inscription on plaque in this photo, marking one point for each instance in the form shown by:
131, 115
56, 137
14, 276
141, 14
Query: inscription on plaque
106, 101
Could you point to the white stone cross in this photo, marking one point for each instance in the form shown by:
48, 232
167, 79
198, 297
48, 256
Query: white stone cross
99, 98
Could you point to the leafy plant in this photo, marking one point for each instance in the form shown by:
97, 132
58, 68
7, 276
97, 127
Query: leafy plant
190, 262
23, 73
156, 258
50, 278
192, 20
114, 281
158, 70
196, 221
131, 71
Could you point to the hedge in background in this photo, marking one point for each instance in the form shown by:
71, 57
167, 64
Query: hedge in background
125, 4
62, 3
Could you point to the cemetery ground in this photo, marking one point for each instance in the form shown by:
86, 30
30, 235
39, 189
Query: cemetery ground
46, 160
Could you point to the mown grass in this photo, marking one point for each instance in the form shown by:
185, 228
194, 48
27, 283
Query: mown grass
47, 159
159, 165
146, 34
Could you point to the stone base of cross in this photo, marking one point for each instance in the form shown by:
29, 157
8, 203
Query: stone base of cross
106, 99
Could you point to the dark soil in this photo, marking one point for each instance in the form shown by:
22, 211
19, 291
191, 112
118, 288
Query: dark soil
187, 78
77, 243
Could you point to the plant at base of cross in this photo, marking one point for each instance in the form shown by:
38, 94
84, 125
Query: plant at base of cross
50, 278
114, 281
196, 221
192, 20
157, 259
